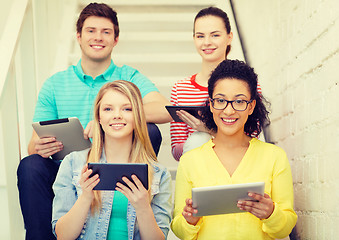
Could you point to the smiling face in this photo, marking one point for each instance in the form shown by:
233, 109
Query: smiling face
229, 121
211, 38
97, 39
116, 116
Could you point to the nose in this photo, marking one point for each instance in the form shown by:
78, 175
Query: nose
116, 115
229, 109
207, 40
98, 36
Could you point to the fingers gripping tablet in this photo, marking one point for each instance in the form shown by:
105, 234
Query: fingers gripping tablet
193, 110
111, 173
223, 199
69, 131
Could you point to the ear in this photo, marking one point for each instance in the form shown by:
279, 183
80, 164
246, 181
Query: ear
229, 38
211, 108
79, 37
116, 40
251, 107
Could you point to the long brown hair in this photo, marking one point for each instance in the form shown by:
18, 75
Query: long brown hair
142, 150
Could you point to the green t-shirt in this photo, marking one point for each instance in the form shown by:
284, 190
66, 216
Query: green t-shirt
118, 223
71, 93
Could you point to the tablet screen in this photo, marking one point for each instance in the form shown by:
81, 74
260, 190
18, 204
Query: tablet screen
223, 199
193, 110
69, 131
111, 173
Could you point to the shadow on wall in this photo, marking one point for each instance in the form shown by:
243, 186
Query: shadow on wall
294, 234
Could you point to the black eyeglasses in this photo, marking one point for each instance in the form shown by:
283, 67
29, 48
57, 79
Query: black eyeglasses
237, 105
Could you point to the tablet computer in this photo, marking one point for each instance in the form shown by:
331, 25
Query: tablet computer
111, 173
193, 110
223, 199
69, 131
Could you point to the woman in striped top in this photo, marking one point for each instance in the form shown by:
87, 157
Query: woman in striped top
212, 38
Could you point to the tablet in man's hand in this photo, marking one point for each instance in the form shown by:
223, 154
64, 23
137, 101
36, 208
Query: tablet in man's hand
69, 131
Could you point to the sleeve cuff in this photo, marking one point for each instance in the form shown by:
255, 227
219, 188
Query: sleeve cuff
186, 230
275, 218
275, 223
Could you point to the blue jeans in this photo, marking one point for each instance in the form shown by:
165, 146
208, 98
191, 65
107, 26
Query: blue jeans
36, 176
35, 179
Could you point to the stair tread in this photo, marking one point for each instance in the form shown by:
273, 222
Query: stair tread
152, 2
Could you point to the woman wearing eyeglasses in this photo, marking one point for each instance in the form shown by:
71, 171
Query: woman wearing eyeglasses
233, 157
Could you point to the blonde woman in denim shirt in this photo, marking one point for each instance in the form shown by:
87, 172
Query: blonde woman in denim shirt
120, 136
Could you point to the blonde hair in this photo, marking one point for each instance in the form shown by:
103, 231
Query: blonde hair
142, 150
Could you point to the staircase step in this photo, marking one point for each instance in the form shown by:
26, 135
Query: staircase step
165, 84
166, 81
149, 26
144, 36
135, 4
163, 48
165, 69
157, 17
157, 58
159, 8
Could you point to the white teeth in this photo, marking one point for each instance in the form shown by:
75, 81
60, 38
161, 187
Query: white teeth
208, 50
229, 120
97, 47
117, 124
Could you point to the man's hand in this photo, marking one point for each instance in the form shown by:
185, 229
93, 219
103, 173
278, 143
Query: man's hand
154, 106
88, 132
45, 147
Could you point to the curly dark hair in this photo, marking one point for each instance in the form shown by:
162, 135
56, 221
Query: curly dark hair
98, 10
236, 69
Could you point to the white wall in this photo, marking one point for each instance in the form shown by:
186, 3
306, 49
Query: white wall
12, 117
293, 46
28, 30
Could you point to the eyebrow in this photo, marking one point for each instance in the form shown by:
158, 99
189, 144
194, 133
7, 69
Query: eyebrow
217, 31
223, 95
109, 104
105, 29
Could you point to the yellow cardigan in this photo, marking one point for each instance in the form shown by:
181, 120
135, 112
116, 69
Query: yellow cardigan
265, 162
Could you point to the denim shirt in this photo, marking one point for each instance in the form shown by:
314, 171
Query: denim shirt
67, 190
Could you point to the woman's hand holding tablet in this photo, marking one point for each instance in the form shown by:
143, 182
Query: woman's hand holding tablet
112, 173
223, 199
193, 110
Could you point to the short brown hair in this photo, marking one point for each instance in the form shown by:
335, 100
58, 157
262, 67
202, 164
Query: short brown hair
98, 10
